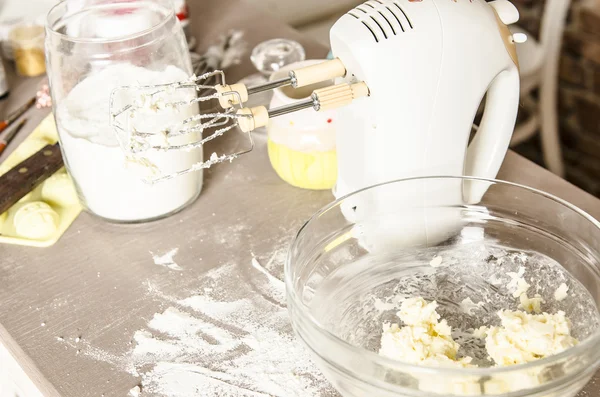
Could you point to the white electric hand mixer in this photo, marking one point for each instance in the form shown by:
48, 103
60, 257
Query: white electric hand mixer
410, 75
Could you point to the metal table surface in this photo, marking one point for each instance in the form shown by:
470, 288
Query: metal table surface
93, 282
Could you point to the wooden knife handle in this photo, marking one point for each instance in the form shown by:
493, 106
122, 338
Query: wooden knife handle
29, 174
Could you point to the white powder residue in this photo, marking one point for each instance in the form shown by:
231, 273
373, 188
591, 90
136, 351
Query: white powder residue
437, 261
234, 347
468, 306
277, 286
261, 269
167, 260
390, 303
231, 339
383, 306
517, 284
135, 392
147, 345
219, 309
561, 292
188, 380
495, 279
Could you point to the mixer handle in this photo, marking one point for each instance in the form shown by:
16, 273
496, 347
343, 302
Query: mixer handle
490, 144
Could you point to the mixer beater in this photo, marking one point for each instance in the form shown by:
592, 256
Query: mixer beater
130, 105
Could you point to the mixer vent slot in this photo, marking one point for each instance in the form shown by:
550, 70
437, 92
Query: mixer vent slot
373, 18
383, 18
403, 13
380, 27
396, 17
389, 23
371, 30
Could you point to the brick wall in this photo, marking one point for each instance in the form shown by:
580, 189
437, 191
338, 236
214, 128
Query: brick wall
579, 94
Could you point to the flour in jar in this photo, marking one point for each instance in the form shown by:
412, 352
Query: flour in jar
111, 186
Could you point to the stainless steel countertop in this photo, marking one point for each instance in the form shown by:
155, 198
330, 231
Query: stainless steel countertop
59, 286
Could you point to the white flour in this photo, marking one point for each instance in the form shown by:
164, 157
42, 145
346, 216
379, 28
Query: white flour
242, 347
111, 187
135, 392
167, 259
212, 345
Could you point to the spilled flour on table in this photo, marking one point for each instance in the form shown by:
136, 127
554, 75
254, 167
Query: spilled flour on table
135, 392
166, 259
232, 338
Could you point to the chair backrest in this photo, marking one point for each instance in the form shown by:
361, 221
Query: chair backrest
553, 22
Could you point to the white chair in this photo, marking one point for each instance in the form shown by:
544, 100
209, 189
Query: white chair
539, 62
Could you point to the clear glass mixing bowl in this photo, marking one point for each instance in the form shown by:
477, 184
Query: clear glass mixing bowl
353, 262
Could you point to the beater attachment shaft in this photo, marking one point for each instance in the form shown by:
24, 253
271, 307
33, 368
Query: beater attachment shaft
167, 117
322, 99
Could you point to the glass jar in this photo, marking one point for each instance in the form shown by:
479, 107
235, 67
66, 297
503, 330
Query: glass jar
92, 47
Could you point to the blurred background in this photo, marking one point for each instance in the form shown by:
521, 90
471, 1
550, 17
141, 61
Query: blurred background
559, 121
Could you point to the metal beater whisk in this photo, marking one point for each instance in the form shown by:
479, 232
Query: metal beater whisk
137, 138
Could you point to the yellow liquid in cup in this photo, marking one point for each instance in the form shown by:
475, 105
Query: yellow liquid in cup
313, 170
